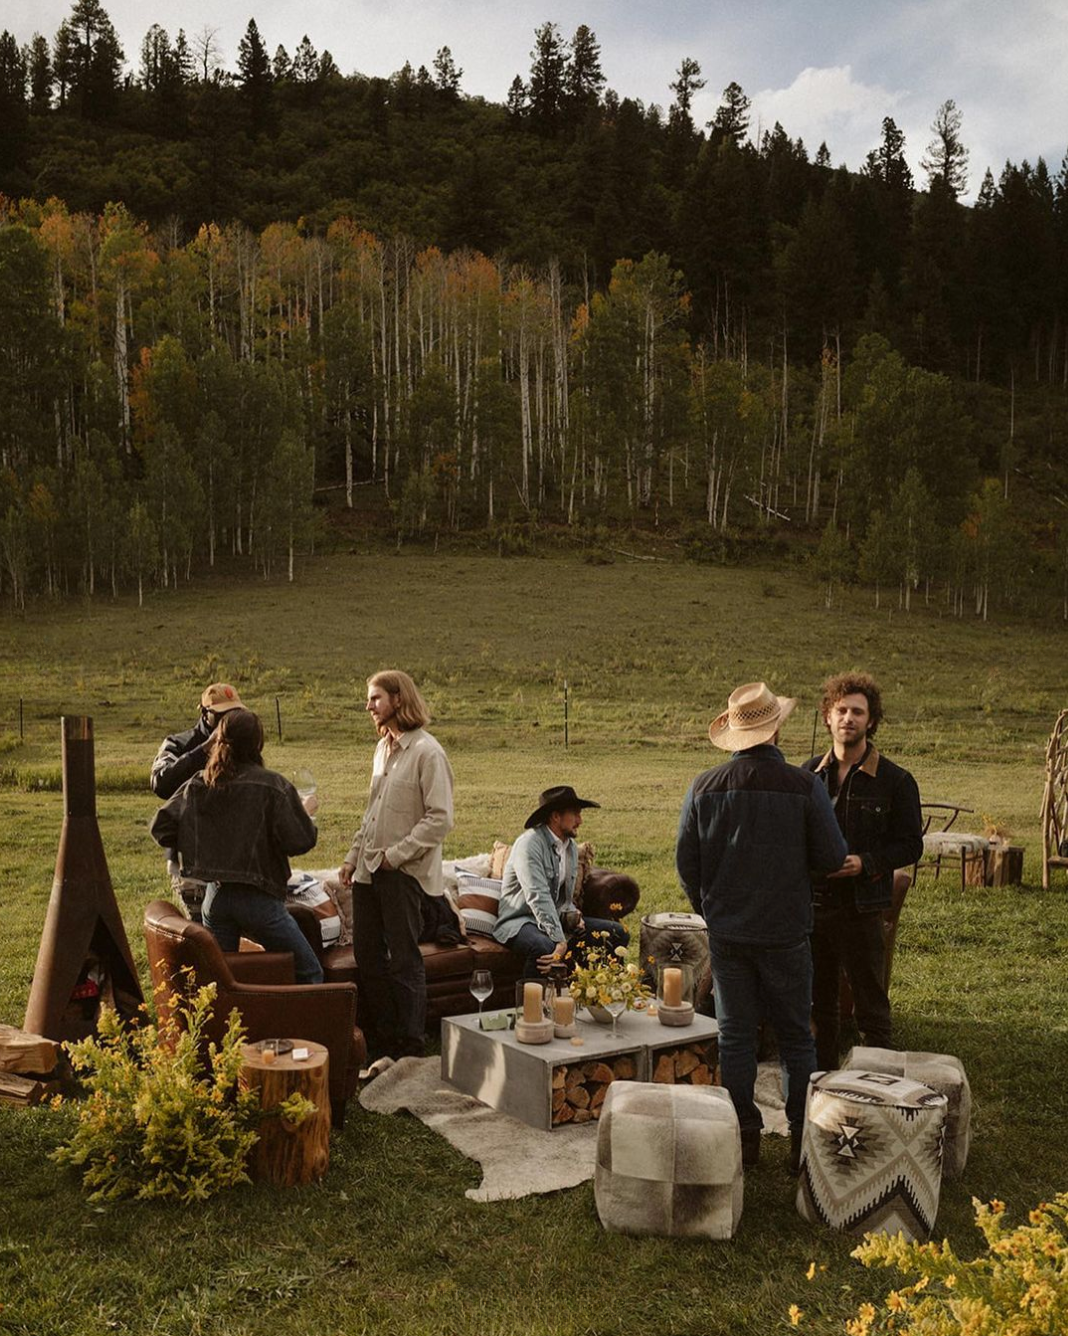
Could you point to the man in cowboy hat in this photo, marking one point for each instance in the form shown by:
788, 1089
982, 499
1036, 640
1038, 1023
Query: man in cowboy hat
750, 832
877, 805
184, 754
537, 917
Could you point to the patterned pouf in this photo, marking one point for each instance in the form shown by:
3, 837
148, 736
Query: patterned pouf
871, 1157
669, 1161
941, 1072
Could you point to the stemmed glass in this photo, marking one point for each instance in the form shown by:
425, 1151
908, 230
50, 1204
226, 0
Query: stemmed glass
616, 1006
480, 987
304, 782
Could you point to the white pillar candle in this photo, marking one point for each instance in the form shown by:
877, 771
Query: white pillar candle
672, 988
564, 1009
532, 995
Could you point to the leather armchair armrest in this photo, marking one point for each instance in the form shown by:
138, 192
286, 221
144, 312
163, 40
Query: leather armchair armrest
261, 967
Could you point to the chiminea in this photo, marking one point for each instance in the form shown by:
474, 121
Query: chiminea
84, 958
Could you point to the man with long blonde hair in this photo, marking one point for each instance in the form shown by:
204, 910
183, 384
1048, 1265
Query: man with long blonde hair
395, 860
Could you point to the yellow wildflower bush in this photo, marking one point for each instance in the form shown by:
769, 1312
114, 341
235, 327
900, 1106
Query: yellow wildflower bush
1017, 1287
161, 1118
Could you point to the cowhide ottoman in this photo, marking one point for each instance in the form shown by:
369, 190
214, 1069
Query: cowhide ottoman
871, 1157
669, 1161
941, 1072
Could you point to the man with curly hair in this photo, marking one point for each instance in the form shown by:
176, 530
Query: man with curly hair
877, 805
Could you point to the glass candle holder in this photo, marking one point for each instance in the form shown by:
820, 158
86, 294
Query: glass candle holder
534, 1000
674, 985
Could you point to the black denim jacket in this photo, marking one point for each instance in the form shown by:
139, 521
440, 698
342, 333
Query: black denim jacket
878, 811
242, 831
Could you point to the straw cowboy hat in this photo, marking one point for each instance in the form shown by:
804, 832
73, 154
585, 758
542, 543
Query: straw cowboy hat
560, 798
220, 697
753, 715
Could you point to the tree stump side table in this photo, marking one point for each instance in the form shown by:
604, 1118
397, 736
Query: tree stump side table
286, 1155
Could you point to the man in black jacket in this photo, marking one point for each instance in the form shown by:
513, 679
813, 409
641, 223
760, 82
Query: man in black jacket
184, 754
877, 805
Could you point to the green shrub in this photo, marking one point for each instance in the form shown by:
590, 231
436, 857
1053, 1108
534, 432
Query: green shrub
160, 1120
1018, 1287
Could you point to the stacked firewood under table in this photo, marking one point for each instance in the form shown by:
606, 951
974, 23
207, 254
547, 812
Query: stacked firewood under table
579, 1088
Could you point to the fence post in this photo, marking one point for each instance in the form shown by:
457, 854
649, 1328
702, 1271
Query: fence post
278, 717
566, 705
21, 734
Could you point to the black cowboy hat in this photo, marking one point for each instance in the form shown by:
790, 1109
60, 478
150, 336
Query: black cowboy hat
560, 798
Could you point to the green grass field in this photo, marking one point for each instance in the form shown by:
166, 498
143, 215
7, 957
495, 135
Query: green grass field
650, 650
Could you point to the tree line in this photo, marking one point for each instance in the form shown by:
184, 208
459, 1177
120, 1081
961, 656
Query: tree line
566, 308
165, 405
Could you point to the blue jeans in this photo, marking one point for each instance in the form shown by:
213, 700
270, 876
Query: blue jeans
530, 942
232, 911
751, 982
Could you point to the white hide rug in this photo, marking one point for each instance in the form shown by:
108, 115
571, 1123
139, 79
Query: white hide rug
516, 1160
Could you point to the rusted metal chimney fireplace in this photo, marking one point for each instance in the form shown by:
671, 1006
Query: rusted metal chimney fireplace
84, 958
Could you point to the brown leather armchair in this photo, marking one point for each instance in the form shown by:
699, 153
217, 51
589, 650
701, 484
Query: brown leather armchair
260, 984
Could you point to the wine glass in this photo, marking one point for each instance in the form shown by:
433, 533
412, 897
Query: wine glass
304, 782
616, 1006
480, 987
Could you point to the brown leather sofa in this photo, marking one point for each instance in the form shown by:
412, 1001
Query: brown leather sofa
260, 984
604, 894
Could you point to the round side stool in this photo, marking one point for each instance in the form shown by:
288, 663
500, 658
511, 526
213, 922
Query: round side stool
871, 1155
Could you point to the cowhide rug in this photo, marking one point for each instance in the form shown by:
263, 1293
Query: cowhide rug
516, 1160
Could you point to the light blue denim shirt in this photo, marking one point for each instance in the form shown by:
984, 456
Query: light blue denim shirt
529, 891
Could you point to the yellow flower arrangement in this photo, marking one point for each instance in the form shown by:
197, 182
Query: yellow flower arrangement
607, 976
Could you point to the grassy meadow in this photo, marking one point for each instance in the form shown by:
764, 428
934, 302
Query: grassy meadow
387, 1242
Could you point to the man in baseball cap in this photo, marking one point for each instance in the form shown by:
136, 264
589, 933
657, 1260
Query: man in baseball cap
184, 754
749, 834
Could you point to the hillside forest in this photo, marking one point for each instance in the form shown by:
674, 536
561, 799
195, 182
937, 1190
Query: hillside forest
242, 306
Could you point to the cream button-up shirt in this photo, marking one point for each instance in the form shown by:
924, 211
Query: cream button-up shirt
409, 811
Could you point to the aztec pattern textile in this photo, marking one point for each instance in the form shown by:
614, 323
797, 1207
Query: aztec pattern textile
941, 1072
871, 1158
669, 1161
673, 938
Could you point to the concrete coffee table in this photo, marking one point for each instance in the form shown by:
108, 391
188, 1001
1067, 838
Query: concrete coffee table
560, 1083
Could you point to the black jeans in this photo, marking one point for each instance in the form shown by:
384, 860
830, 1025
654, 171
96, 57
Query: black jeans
845, 939
386, 920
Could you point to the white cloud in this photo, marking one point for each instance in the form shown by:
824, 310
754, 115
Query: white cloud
828, 105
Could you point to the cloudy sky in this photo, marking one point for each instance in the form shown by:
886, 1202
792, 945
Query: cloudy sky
827, 69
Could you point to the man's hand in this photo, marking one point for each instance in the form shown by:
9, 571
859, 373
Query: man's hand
545, 963
385, 864
852, 867
344, 874
311, 804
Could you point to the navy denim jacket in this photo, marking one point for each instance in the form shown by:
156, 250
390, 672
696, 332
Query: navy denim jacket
751, 834
241, 831
878, 810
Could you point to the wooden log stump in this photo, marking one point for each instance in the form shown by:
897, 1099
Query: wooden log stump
1004, 865
286, 1155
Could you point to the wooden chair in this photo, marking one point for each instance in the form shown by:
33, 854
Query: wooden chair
1055, 801
941, 842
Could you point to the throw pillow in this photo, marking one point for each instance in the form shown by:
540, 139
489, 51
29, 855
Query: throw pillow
498, 859
585, 862
479, 901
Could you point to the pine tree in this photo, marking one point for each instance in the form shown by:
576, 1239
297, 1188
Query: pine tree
584, 78
548, 75
731, 121
254, 74
97, 59
14, 111
305, 62
946, 159
447, 75
281, 65
63, 61
39, 72
687, 82
518, 103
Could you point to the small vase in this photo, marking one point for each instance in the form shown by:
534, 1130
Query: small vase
599, 1014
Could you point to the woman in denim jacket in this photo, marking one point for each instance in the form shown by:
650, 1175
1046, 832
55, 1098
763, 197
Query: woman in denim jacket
235, 824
